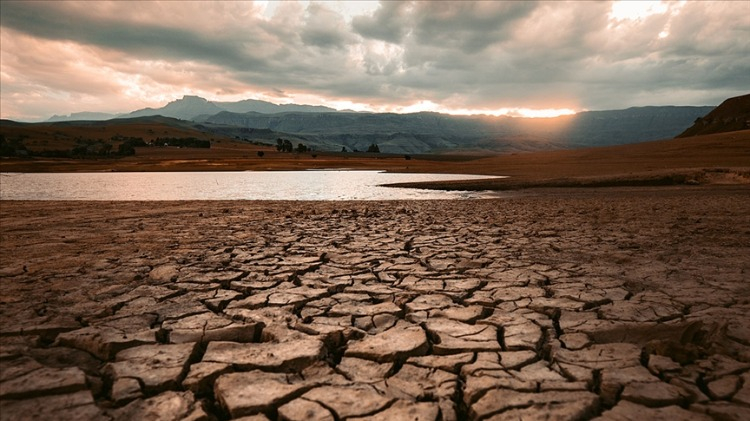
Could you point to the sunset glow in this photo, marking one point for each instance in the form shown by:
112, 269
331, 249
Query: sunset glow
490, 58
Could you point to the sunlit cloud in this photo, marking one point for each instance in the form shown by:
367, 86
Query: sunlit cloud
492, 58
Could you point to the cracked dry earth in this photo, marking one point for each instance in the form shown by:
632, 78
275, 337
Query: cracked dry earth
601, 304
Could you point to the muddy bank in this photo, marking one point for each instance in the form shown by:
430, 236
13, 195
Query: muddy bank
575, 303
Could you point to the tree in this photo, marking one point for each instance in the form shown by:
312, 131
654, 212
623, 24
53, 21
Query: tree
301, 148
260, 154
280, 144
343, 149
373, 148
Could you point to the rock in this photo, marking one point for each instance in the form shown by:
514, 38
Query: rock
454, 337
451, 363
207, 327
256, 391
742, 396
567, 405
69, 406
125, 390
575, 341
17, 367
418, 384
106, 338
723, 411
222, 277
201, 377
724, 388
284, 356
43, 381
168, 406
580, 364
398, 343
476, 386
304, 410
629, 411
158, 367
406, 411
659, 364
348, 309
346, 402
363, 371
613, 380
654, 394
512, 360
165, 273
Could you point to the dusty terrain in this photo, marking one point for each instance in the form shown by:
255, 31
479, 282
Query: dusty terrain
711, 159
620, 303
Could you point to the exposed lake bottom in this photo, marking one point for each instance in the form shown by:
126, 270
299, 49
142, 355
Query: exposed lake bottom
619, 303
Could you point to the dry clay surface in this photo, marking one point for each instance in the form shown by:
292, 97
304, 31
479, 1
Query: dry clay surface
610, 304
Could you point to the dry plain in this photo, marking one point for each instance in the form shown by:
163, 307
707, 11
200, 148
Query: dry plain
547, 303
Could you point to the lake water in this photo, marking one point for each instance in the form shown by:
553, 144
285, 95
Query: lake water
245, 185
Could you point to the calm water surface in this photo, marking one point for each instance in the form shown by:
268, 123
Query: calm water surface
246, 185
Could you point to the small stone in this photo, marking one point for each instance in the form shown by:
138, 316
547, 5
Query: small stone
165, 273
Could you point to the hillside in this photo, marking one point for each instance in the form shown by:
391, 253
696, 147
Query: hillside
441, 133
733, 114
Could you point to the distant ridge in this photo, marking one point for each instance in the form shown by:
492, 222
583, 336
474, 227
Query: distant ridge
190, 107
86, 115
733, 114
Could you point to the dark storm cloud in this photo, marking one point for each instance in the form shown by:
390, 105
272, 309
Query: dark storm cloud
459, 55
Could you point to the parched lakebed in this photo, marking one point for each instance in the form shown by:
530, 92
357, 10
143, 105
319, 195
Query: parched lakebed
571, 304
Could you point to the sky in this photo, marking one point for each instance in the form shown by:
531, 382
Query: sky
493, 57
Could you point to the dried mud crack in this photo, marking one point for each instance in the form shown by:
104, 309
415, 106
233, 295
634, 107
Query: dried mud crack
605, 304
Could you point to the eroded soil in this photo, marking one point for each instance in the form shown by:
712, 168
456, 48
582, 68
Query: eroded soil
568, 304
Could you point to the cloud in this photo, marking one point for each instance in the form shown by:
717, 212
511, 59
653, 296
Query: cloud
60, 57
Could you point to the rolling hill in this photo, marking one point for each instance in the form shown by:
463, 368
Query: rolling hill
731, 115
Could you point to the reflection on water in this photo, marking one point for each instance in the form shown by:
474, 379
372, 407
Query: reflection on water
247, 185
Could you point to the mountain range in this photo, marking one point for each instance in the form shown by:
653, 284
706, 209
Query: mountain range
324, 128
191, 106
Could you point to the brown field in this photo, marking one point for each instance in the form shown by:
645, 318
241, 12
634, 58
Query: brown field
717, 158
